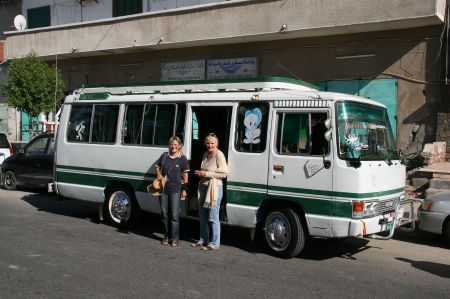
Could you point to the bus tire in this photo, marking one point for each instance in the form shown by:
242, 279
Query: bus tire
9, 180
121, 208
284, 233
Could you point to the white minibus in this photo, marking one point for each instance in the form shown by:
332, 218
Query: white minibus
301, 162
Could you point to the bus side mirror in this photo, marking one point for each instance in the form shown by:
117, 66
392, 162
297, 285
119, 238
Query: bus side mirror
328, 123
328, 135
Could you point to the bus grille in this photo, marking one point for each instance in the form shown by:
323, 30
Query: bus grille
386, 206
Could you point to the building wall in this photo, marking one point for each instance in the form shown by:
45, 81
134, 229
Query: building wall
234, 22
72, 11
410, 56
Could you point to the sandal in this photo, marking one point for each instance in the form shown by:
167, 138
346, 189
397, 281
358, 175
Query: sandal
174, 243
197, 244
210, 247
165, 242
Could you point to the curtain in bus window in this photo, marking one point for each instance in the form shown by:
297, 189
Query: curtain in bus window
319, 145
79, 123
158, 124
251, 127
132, 124
179, 124
293, 133
104, 125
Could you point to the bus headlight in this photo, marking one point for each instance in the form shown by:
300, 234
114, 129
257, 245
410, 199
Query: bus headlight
364, 208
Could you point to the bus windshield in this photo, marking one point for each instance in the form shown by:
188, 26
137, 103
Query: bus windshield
364, 133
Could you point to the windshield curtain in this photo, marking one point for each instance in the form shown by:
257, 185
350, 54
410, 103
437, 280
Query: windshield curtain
364, 132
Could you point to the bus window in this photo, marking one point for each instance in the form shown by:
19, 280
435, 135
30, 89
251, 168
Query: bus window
293, 133
131, 131
79, 123
104, 124
251, 127
159, 121
179, 125
301, 134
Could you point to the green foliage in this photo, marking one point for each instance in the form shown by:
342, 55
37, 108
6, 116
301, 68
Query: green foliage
30, 86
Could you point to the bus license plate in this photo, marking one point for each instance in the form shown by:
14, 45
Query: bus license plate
389, 225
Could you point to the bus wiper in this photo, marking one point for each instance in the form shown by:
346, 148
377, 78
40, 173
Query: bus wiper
387, 158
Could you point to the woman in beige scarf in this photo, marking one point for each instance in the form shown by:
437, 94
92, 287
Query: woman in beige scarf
213, 169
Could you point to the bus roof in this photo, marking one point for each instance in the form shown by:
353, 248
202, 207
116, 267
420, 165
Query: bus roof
263, 88
196, 86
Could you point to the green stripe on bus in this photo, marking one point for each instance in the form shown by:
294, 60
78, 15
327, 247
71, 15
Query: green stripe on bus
107, 171
99, 180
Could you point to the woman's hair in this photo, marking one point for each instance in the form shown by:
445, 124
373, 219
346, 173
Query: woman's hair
212, 135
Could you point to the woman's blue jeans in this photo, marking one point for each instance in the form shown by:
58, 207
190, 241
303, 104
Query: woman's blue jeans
170, 210
210, 217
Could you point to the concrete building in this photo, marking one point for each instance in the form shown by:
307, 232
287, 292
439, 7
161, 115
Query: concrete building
393, 51
8, 117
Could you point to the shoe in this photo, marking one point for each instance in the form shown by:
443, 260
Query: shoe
197, 244
165, 242
210, 247
174, 243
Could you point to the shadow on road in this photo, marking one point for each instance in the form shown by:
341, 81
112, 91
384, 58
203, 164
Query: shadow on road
420, 238
151, 227
438, 269
71, 208
322, 249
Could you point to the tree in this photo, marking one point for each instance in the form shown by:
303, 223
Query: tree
32, 86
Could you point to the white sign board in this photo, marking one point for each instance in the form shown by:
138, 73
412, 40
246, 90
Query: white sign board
183, 70
244, 67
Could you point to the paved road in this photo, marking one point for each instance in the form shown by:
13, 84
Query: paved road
58, 249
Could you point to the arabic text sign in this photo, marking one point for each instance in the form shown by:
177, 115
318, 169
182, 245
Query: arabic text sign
232, 68
183, 70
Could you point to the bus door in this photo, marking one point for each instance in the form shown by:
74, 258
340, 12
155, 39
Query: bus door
248, 160
300, 165
205, 120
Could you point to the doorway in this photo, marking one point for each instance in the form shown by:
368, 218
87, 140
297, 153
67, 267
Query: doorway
205, 120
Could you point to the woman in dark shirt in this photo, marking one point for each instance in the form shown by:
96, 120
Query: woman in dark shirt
174, 166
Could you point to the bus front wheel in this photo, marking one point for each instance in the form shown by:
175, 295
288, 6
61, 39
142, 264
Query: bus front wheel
121, 208
284, 233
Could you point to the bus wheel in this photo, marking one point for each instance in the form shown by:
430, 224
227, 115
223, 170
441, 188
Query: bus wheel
9, 180
284, 233
121, 208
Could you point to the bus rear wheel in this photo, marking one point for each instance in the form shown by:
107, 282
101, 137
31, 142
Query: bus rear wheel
284, 233
121, 208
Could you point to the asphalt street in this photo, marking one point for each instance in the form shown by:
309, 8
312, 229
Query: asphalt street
59, 249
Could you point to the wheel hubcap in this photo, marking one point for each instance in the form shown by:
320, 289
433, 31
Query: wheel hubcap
9, 181
277, 231
120, 206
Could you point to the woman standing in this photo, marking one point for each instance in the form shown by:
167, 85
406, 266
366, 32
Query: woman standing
213, 169
174, 166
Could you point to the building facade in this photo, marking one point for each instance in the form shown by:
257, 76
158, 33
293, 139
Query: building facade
390, 51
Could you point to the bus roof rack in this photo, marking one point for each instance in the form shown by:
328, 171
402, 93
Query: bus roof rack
220, 85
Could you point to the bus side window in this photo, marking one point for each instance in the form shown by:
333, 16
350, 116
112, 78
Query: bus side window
159, 124
319, 145
251, 127
293, 134
104, 124
132, 125
79, 123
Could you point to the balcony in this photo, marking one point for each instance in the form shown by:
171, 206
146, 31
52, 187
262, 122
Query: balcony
226, 23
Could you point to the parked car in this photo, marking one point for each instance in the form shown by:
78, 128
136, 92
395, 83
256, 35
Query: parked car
6, 149
434, 213
32, 166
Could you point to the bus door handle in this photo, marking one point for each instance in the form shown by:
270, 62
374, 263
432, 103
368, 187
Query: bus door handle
277, 170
